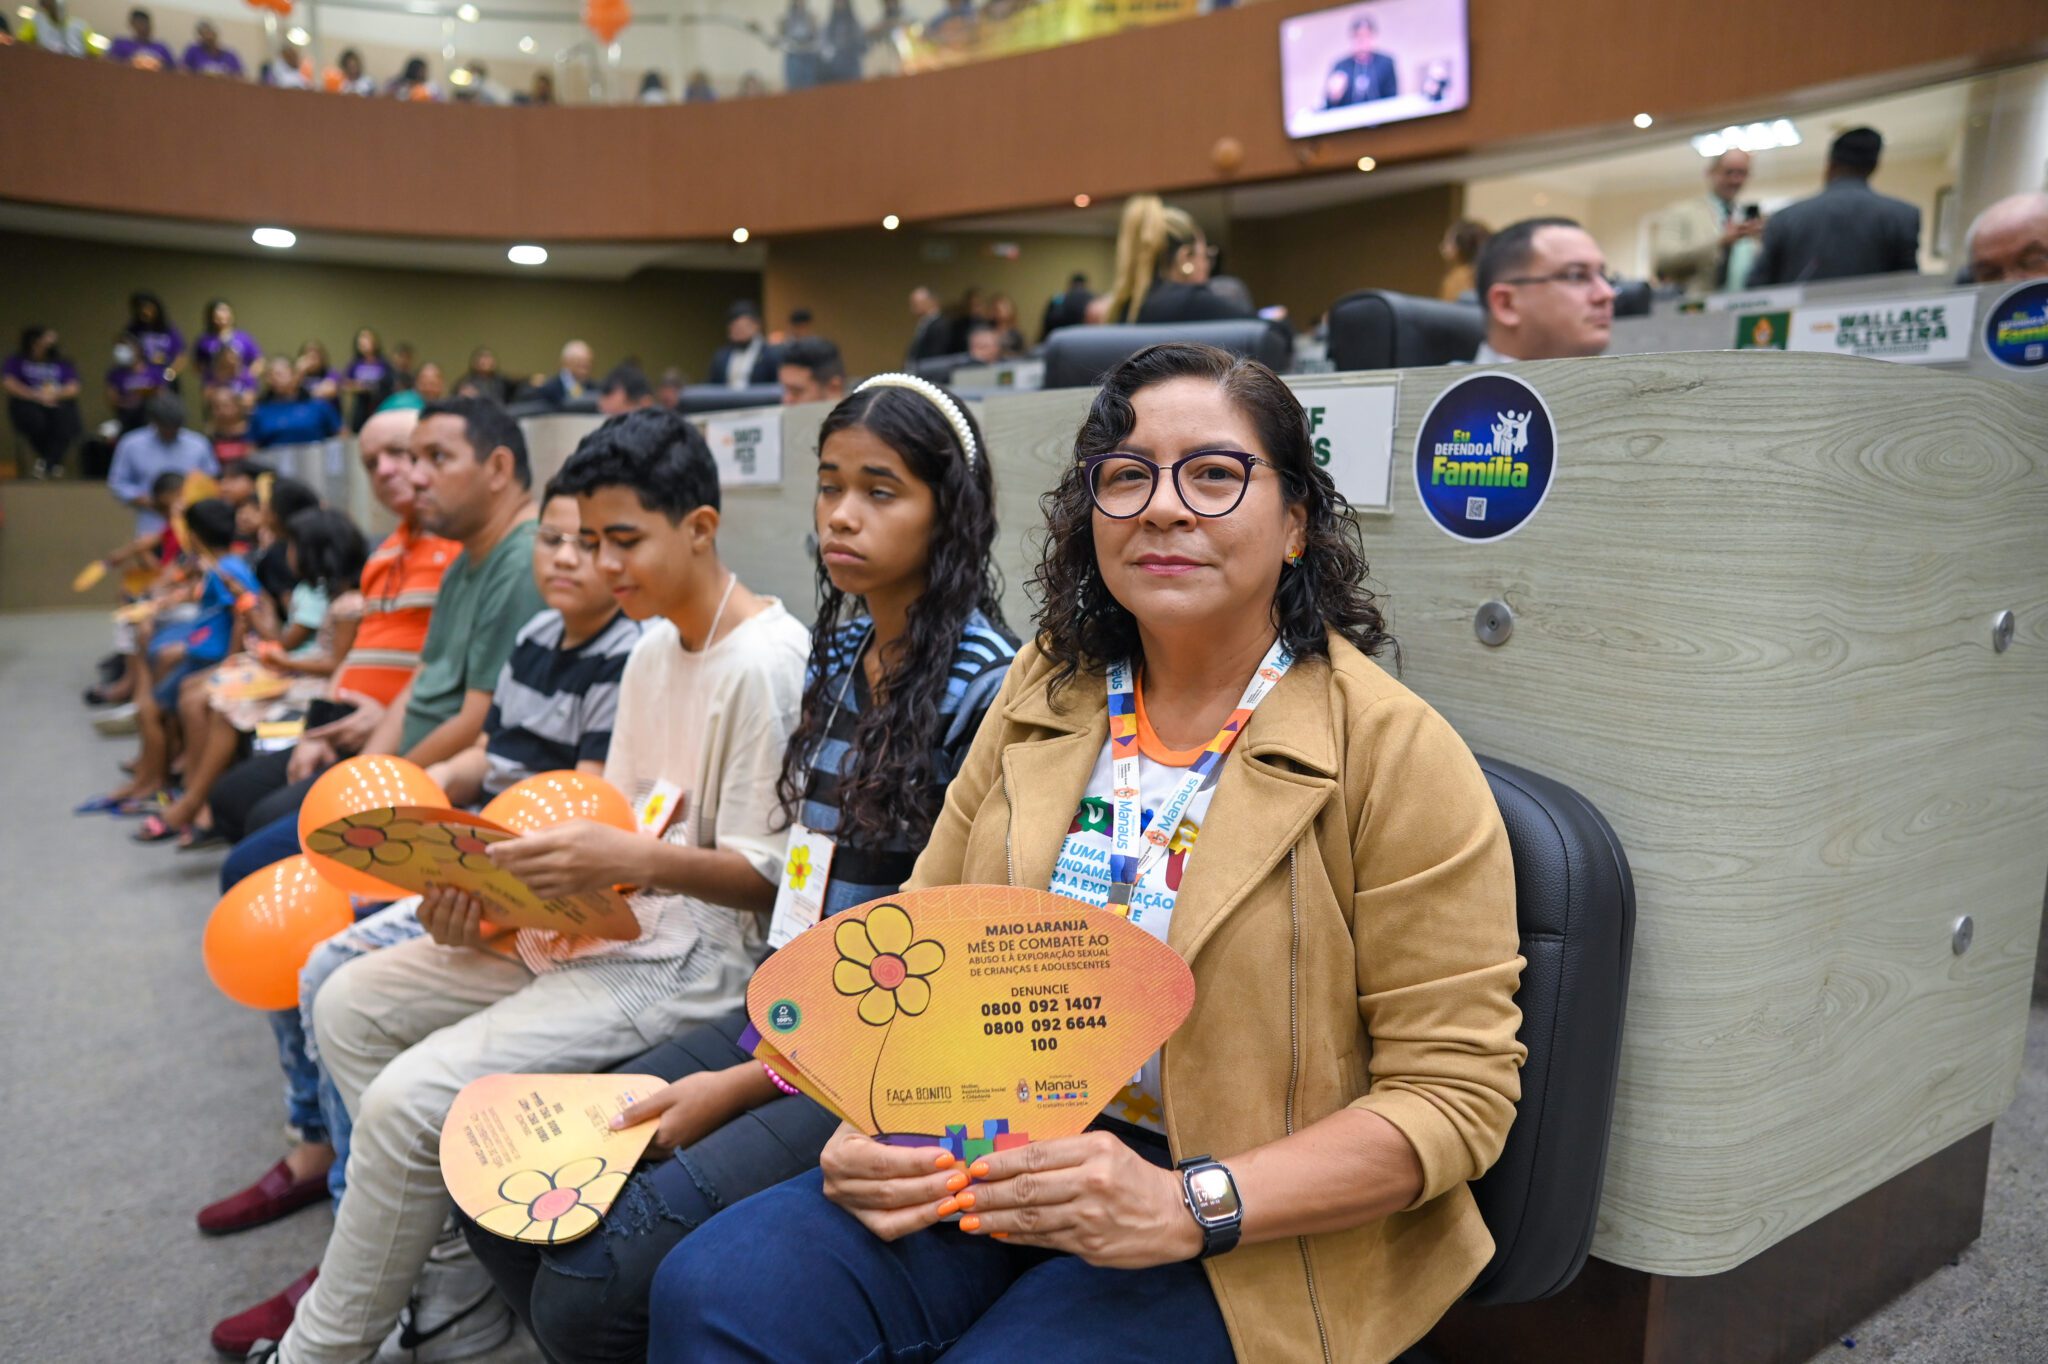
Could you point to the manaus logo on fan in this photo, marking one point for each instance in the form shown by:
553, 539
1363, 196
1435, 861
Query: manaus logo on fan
1484, 456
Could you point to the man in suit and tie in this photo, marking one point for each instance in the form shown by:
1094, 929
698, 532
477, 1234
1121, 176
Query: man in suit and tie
571, 381
933, 336
746, 358
1847, 229
1365, 75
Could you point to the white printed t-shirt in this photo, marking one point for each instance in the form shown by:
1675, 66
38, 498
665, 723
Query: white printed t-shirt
713, 724
1082, 873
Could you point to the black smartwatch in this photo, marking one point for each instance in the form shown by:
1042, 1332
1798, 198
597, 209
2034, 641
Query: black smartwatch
1211, 1195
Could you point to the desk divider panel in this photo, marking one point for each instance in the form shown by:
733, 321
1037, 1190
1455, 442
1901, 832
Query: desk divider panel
1754, 625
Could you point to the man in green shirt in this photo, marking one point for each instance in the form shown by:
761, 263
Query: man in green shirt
471, 484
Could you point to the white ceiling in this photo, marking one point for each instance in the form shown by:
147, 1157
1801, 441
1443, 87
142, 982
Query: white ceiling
602, 260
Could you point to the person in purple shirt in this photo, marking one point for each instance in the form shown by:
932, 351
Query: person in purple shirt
42, 398
220, 333
139, 47
160, 342
367, 379
130, 382
206, 57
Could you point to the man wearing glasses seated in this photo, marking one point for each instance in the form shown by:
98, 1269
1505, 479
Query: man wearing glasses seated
1547, 293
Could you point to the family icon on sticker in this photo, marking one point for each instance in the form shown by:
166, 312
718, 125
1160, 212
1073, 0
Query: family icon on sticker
2016, 331
1484, 456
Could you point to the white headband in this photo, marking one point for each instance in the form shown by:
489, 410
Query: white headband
948, 409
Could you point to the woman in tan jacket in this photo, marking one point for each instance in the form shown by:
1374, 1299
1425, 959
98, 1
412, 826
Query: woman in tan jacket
1286, 1180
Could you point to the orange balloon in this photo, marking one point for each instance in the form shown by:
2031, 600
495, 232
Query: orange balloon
420, 94
331, 82
549, 798
259, 934
353, 785
607, 18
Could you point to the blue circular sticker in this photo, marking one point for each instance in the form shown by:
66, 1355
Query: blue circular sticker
1484, 456
2016, 331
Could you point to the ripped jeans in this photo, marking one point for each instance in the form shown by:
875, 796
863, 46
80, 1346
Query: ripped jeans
587, 1300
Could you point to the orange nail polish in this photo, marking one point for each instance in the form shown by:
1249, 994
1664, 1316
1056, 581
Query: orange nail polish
965, 1200
1000, 1235
956, 1181
979, 1169
970, 1224
944, 1162
949, 1207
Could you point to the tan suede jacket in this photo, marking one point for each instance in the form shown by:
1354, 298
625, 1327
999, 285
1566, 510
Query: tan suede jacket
1349, 917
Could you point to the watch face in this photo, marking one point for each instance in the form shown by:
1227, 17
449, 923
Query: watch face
1213, 1194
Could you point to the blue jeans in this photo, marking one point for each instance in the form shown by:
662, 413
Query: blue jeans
788, 1275
586, 1301
274, 842
312, 1102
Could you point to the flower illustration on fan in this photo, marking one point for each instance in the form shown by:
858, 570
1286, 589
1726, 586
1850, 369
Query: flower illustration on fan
554, 1208
884, 962
798, 867
470, 848
366, 841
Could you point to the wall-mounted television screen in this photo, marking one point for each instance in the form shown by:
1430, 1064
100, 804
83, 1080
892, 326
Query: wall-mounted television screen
1382, 61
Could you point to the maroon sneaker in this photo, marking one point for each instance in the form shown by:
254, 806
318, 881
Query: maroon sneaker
268, 1199
267, 1320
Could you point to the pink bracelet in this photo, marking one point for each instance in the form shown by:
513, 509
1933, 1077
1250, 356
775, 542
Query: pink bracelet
785, 1086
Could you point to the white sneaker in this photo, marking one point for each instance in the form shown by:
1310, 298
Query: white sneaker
455, 1312
116, 720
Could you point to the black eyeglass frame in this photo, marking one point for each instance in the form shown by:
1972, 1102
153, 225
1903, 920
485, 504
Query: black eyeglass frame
1091, 463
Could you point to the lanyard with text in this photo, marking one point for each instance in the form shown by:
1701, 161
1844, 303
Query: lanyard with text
807, 862
1127, 864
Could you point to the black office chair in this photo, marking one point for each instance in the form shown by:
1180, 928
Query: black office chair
1632, 298
1575, 905
718, 398
1078, 357
1380, 329
939, 368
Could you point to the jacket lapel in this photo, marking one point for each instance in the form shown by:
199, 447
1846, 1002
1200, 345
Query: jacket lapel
1261, 807
1044, 779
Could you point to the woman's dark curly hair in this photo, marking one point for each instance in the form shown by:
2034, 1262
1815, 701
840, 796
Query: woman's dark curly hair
1084, 628
890, 794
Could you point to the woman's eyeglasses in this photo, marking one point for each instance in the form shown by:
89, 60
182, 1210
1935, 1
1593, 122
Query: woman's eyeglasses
1208, 482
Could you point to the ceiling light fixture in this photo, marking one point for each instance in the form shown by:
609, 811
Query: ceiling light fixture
468, 14
298, 36
1748, 137
740, 235
1082, 201
891, 223
1366, 163
527, 44
527, 255
1643, 120
461, 75
276, 238
448, 53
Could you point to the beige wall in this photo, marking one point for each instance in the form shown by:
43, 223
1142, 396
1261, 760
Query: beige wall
1620, 221
858, 284
664, 317
1309, 260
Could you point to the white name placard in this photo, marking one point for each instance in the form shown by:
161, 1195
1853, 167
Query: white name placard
1351, 431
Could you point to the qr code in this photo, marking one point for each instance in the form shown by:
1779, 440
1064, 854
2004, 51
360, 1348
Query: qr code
1475, 509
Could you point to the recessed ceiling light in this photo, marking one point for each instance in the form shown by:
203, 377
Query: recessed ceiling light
448, 53
467, 13
276, 238
298, 36
1643, 120
527, 255
1748, 137
27, 14
1082, 201
460, 76
527, 44
740, 234
1366, 163
891, 223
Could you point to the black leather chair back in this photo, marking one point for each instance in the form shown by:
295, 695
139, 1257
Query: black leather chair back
1380, 329
939, 368
1576, 907
697, 398
1632, 298
1078, 357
